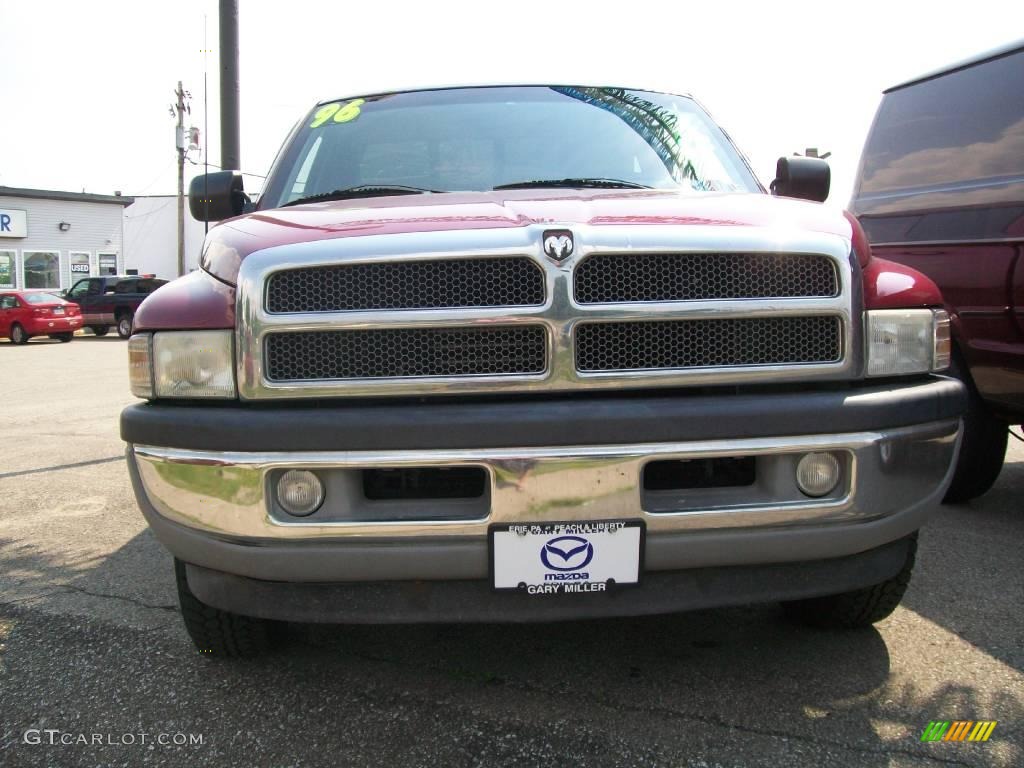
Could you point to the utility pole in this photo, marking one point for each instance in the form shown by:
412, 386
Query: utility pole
230, 142
180, 141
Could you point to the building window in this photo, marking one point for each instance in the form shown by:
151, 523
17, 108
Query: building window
80, 266
108, 263
41, 269
7, 275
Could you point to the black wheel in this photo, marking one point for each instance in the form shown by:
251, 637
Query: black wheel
220, 633
18, 334
124, 325
63, 338
982, 447
99, 330
859, 608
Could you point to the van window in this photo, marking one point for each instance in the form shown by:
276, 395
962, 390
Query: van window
966, 126
126, 286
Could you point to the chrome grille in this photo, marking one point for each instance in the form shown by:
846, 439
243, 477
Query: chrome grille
595, 321
627, 277
405, 353
678, 344
484, 282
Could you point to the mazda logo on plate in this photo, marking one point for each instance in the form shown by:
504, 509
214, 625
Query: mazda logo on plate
558, 244
567, 553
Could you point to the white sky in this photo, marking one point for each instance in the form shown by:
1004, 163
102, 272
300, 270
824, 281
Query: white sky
85, 86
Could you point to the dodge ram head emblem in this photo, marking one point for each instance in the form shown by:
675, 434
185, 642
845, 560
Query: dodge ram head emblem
558, 244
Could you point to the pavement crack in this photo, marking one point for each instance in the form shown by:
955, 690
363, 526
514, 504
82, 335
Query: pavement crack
107, 596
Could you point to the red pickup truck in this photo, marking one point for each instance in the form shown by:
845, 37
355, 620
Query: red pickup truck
534, 353
941, 189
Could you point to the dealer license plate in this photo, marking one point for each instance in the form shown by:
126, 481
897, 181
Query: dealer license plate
563, 558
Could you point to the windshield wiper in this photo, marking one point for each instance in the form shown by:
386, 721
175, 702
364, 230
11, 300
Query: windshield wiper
583, 182
363, 190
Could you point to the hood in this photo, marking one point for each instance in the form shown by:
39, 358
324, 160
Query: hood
230, 242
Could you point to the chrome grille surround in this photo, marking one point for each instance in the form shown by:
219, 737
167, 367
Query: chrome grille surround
560, 314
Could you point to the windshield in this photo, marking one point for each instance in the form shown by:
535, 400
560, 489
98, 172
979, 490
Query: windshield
477, 139
42, 298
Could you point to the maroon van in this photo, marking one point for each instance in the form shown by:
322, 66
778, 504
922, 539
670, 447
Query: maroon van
941, 189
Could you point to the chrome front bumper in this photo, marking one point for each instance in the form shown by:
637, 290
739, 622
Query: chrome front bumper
891, 480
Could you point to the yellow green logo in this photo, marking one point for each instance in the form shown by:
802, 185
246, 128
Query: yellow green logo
958, 730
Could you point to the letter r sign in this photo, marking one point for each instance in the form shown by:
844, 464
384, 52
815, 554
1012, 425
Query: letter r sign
13, 223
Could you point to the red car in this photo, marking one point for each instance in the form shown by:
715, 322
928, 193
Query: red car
24, 314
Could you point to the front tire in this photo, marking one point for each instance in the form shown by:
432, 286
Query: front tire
124, 325
216, 632
859, 608
18, 334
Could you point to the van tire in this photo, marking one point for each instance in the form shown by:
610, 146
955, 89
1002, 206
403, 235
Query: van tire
220, 633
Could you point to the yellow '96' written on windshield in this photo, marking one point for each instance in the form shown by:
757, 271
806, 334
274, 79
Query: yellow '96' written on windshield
339, 111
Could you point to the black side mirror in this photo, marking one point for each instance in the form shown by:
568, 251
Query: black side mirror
807, 178
216, 196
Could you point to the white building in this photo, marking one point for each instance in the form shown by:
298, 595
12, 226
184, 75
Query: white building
151, 237
49, 239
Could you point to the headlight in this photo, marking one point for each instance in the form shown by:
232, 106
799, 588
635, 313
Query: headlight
186, 364
905, 341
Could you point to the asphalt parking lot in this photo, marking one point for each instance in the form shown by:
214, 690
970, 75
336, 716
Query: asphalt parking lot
93, 656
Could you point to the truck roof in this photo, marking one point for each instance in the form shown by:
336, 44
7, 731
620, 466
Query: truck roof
514, 84
995, 53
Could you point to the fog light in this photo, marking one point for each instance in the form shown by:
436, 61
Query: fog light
817, 473
300, 492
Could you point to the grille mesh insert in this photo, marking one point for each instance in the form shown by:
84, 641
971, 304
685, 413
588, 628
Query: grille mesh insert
405, 353
618, 277
499, 282
707, 343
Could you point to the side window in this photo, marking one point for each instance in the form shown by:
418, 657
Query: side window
126, 286
964, 126
147, 286
79, 289
8, 302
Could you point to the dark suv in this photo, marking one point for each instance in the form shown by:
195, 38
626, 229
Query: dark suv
112, 301
941, 189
